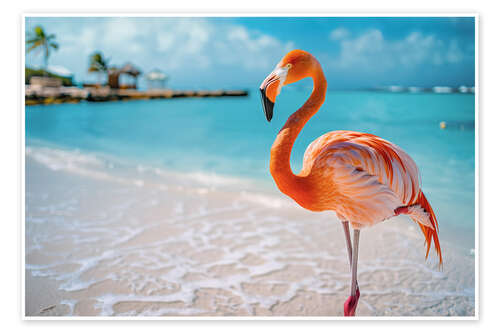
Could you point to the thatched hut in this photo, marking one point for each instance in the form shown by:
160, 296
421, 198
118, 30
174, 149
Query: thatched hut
129, 78
130, 71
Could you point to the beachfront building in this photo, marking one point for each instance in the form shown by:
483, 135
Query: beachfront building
123, 78
156, 79
53, 76
129, 78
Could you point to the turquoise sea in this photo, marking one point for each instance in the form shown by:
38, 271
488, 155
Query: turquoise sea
230, 137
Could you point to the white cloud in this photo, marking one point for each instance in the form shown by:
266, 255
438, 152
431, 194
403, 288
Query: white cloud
198, 43
371, 50
250, 50
339, 34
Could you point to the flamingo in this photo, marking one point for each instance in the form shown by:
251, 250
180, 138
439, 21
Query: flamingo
363, 178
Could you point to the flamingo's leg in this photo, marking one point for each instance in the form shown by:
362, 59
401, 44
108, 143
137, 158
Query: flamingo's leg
347, 235
352, 301
354, 263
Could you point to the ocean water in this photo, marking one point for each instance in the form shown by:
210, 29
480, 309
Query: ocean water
229, 137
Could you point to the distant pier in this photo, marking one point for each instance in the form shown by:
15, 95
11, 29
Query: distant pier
35, 94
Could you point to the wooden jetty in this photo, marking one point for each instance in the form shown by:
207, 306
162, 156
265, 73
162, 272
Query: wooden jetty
37, 94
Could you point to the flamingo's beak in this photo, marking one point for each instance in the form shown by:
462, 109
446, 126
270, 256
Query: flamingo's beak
271, 87
267, 105
269, 91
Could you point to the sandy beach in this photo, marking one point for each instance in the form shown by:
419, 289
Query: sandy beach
150, 243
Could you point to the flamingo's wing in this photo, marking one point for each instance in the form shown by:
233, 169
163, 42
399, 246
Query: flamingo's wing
372, 175
366, 198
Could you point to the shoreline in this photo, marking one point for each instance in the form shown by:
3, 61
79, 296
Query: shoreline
118, 246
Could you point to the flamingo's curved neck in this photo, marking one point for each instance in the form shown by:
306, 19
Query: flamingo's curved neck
289, 183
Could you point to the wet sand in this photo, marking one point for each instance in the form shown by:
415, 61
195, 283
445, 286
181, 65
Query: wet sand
99, 244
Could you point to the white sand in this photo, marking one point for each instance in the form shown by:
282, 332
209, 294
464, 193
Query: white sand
99, 244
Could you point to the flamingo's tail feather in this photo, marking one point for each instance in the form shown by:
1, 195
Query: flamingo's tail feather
421, 212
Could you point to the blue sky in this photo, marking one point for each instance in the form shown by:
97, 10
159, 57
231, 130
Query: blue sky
234, 52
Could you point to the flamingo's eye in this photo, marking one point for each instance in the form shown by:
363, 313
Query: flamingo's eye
288, 66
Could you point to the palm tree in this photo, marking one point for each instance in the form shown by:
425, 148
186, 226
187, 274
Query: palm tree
39, 40
98, 64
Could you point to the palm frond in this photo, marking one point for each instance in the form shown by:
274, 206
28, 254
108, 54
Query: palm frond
42, 42
32, 47
32, 40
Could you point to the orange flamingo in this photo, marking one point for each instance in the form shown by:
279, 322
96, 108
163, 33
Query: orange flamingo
363, 178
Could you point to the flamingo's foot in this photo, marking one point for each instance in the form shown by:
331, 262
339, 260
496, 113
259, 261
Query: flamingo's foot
350, 304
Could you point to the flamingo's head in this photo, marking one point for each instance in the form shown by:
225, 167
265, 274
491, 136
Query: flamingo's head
294, 66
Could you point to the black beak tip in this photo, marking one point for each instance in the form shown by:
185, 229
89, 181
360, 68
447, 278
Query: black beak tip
267, 105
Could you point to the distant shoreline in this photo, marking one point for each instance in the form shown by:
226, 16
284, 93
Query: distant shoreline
38, 95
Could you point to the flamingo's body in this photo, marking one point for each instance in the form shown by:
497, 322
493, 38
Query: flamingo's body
363, 178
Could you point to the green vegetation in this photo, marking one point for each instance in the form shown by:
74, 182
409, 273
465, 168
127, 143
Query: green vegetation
40, 41
29, 72
98, 64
